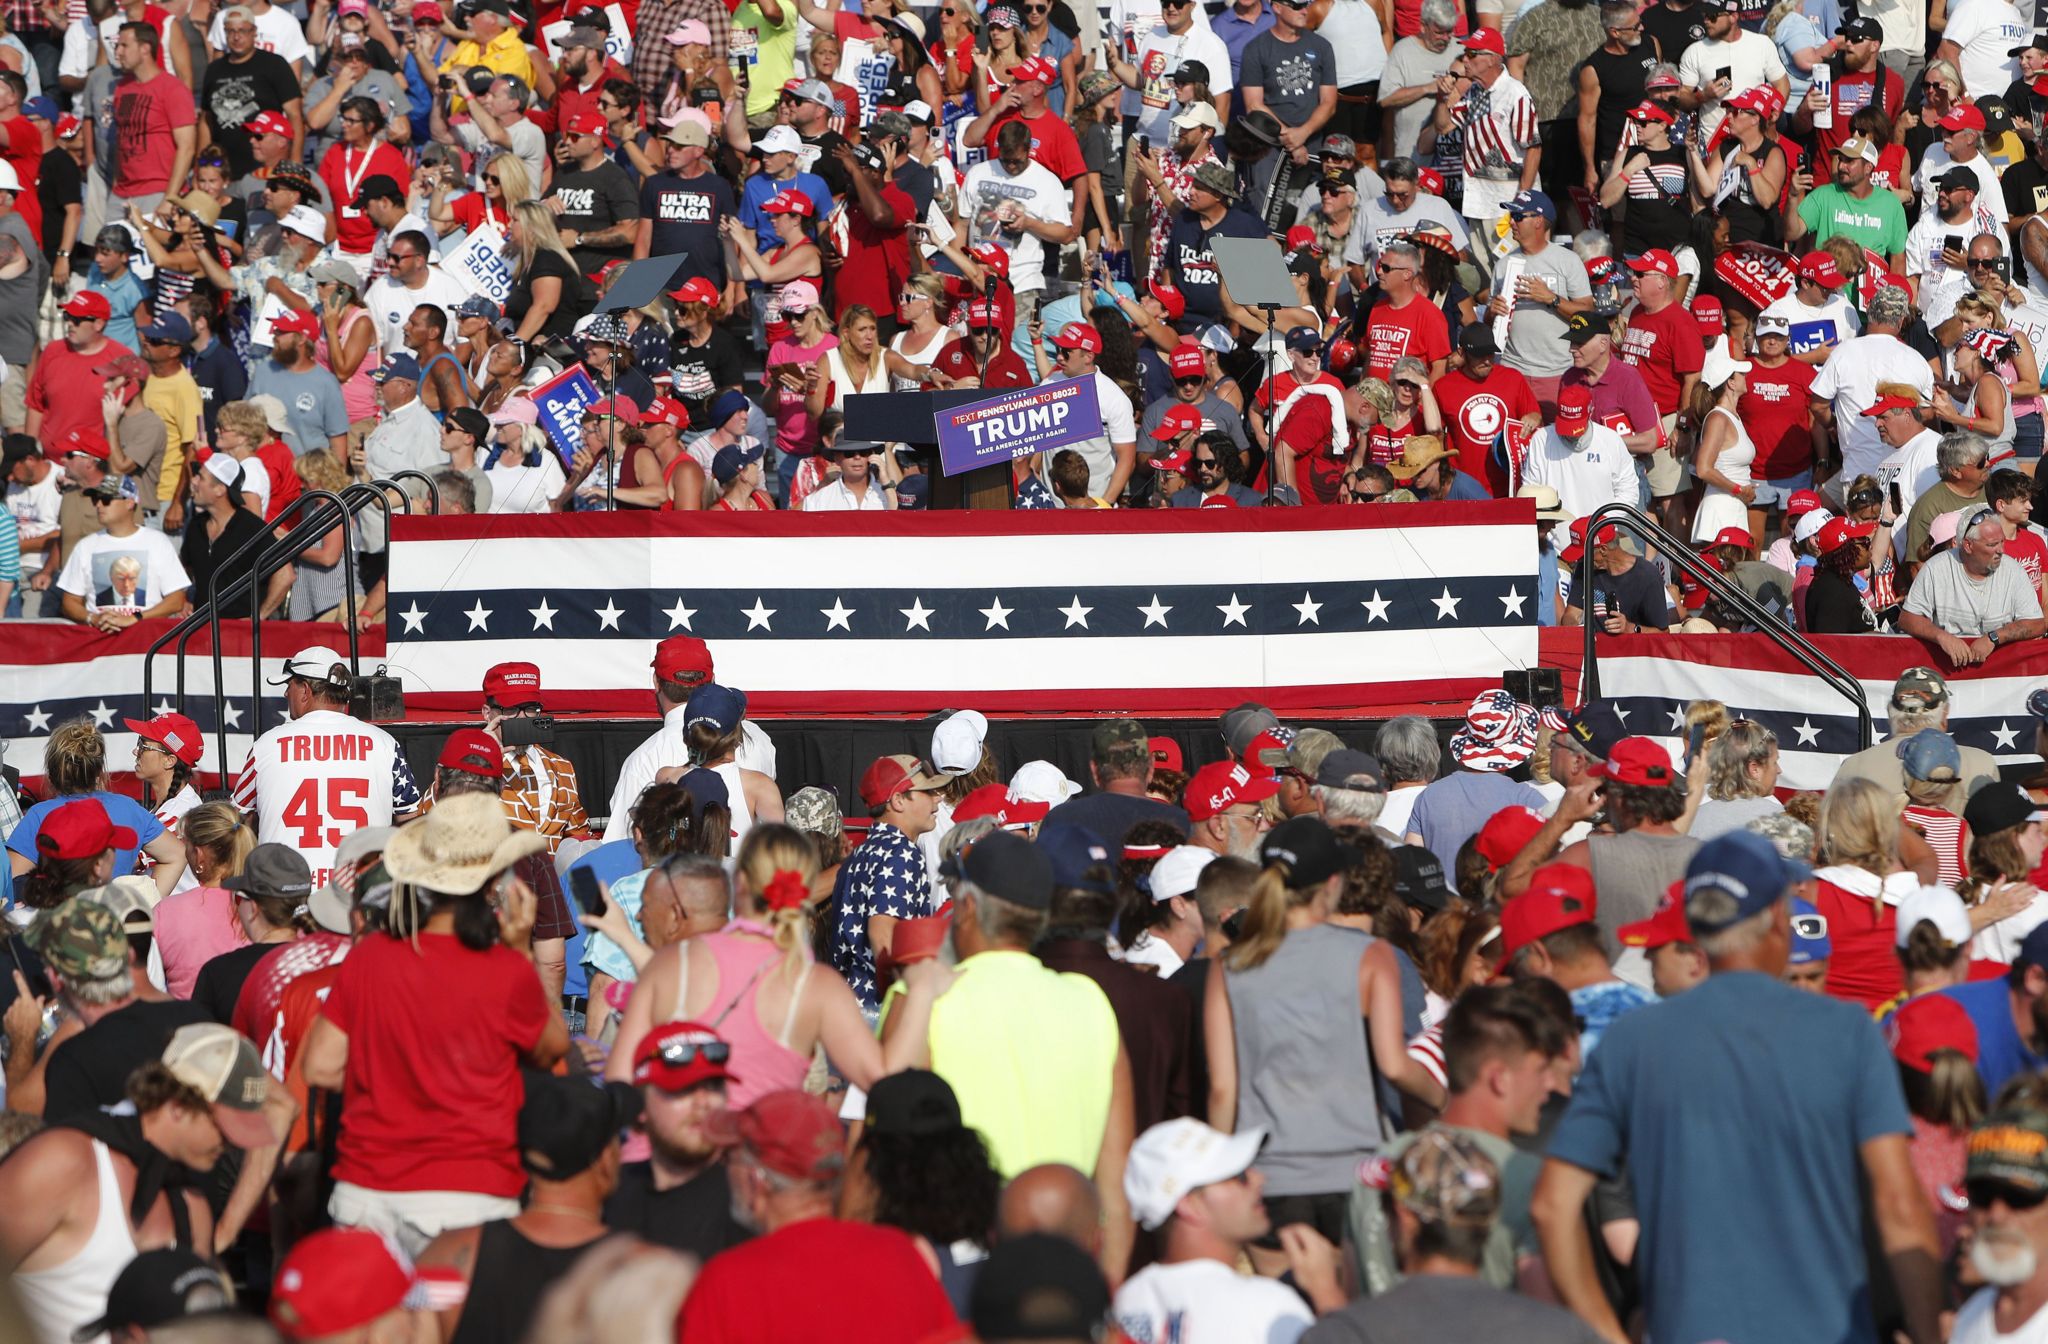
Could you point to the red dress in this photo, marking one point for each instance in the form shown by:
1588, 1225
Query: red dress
1862, 932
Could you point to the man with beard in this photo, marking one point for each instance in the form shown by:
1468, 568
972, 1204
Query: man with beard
1222, 801
681, 1197
2007, 1181
2011, 1018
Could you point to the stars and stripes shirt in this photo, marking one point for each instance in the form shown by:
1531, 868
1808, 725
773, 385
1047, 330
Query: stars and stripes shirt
1500, 129
885, 876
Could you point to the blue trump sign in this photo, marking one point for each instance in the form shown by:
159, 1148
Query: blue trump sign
1018, 423
560, 401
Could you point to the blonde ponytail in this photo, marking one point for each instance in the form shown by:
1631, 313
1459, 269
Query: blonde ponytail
1265, 919
776, 867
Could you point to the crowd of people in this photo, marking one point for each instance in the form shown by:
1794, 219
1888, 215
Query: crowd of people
1775, 274
1252, 1034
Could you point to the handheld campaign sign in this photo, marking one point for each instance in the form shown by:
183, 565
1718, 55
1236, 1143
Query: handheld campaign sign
561, 400
1018, 423
480, 265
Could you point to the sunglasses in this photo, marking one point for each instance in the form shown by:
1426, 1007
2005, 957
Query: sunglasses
1982, 1193
682, 1053
1038, 9
1189, 382
494, 179
909, 296
1202, 462
1810, 927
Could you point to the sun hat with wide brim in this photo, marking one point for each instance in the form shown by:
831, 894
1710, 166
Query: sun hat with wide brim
460, 845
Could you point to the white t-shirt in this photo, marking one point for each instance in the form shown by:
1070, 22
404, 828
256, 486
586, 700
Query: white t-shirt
1986, 30
1119, 425
35, 513
276, 31
1813, 328
1990, 195
1914, 469
1160, 56
1037, 192
1940, 284
320, 778
1977, 1323
1850, 379
1599, 470
391, 303
526, 489
1208, 1302
131, 573
1750, 59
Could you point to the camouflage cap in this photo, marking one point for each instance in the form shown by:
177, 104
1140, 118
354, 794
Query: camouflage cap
891, 123
1111, 734
2011, 1146
1919, 688
80, 940
1444, 1177
1791, 837
814, 811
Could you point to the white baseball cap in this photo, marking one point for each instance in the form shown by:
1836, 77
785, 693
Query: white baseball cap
1178, 1157
222, 468
1809, 525
305, 221
1178, 870
1937, 906
956, 743
780, 140
1042, 782
315, 662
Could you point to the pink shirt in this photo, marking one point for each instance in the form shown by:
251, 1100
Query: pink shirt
192, 928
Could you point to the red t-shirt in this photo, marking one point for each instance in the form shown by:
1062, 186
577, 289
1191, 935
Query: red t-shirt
1864, 965
24, 149
285, 486
1778, 413
344, 170
570, 100
145, 114
2026, 548
848, 98
1664, 346
1004, 369
1052, 144
1476, 419
65, 389
1418, 330
862, 1284
1853, 93
296, 1010
435, 1040
258, 1012
470, 212
878, 260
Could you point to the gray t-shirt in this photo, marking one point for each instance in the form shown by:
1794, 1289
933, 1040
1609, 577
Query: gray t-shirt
312, 404
377, 85
1215, 412
1440, 1306
1292, 74
19, 297
1408, 64
1536, 346
1968, 608
528, 143
1377, 223
144, 437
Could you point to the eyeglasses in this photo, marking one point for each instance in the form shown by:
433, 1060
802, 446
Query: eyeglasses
1810, 927
146, 745
351, 121
683, 1052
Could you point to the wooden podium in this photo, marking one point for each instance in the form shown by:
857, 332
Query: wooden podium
908, 417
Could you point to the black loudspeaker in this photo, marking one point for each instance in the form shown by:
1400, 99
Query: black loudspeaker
1538, 686
378, 697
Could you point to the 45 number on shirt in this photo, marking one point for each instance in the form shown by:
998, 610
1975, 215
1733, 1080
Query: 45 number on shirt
321, 812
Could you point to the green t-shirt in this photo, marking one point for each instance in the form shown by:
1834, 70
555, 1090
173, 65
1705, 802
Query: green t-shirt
770, 51
1877, 222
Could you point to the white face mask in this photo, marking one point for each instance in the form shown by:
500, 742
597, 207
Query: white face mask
2003, 1256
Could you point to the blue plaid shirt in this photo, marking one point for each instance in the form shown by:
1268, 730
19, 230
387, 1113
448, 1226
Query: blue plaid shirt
885, 876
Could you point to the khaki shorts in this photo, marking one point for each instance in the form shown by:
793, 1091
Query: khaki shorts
1665, 473
14, 398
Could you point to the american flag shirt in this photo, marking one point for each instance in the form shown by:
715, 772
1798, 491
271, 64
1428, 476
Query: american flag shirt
1500, 129
885, 876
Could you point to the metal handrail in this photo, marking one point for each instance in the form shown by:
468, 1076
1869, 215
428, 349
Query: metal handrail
348, 579
1767, 622
433, 493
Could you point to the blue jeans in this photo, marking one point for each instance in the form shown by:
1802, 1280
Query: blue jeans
1777, 494
2027, 437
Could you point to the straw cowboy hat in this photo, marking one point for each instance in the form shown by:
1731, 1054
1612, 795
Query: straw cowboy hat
460, 845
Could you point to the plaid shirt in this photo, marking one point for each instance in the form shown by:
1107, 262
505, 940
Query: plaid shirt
541, 794
653, 57
24, 16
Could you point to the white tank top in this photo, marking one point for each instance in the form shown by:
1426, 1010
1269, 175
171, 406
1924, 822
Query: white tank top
63, 1297
901, 345
317, 780
742, 815
842, 381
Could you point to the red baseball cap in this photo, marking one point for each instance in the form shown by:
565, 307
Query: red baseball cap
1691, 589
1884, 404
1079, 336
1170, 298
1655, 260
1570, 554
993, 257
621, 407
88, 303
982, 313
1430, 180
682, 658
175, 731
1486, 39
994, 801
790, 1132
1175, 459
474, 752
88, 441
1757, 99
268, 123
1637, 761
1166, 752
1300, 236
891, 775
1820, 268
1178, 420
1559, 896
696, 290
81, 830
1574, 409
1804, 502
665, 411
588, 123
1706, 310
339, 1279
1034, 69
790, 203
678, 1056
512, 684
1662, 929
1732, 536
1221, 785
1186, 361
1839, 532
305, 323
1506, 833
1963, 117
1649, 111
1926, 1023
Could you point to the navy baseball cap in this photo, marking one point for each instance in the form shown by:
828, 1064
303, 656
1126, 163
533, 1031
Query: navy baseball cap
1532, 203
1594, 729
2037, 704
2033, 948
1075, 855
720, 706
1809, 934
1743, 866
1305, 340
914, 492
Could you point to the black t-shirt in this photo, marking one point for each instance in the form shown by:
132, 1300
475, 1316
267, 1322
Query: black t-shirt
594, 199
61, 183
1622, 83
1834, 607
685, 212
232, 93
1674, 29
201, 556
576, 294
1110, 816
221, 979
2026, 193
91, 1069
823, 156
1637, 593
1663, 221
697, 373
695, 1216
